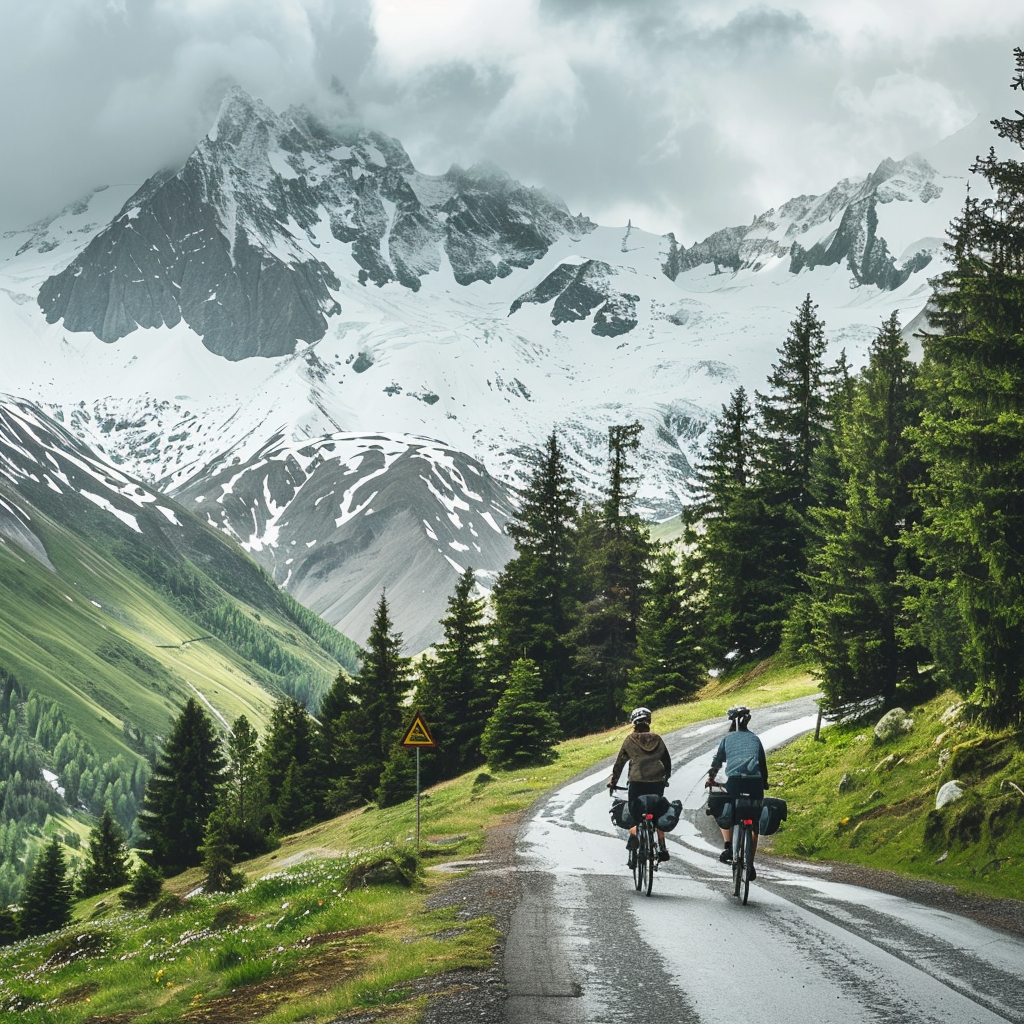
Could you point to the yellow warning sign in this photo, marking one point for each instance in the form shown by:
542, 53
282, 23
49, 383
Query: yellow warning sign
418, 735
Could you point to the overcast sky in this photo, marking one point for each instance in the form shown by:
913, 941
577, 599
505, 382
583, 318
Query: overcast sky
681, 115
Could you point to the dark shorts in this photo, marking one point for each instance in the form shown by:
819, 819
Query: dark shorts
635, 789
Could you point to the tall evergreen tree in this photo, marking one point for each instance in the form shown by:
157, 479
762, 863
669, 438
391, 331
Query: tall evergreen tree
380, 688
523, 730
793, 422
971, 597
46, 900
290, 769
725, 527
182, 791
106, 864
857, 577
454, 692
339, 743
670, 665
532, 598
604, 636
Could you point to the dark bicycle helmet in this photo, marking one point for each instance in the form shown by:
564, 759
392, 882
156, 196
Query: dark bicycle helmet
738, 712
639, 715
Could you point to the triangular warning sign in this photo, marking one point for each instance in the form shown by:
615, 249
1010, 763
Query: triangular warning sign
418, 735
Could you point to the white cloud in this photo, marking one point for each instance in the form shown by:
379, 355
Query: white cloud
693, 115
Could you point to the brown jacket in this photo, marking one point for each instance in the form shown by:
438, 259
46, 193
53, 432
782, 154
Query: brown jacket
648, 757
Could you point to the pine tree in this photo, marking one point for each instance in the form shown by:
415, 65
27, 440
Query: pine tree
523, 730
604, 637
182, 791
106, 865
339, 743
145, 887
290, 771
219, 852
793, 421
669, 660
725, 527
971, 587
454, 692
857, 577
46, 900
380, 688
533, 596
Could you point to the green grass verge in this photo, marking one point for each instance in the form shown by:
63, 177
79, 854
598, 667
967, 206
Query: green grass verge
856, 800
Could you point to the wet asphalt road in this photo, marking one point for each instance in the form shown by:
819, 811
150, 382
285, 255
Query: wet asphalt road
585, 948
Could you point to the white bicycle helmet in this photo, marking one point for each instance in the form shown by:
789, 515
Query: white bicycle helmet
639, 714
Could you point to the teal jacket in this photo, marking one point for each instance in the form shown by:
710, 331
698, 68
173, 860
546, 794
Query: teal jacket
743, 756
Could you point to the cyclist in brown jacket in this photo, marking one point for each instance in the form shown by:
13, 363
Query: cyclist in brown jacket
650, 766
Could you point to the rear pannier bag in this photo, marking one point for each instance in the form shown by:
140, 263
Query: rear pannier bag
720, 805
669, 817
620, 814
773, 814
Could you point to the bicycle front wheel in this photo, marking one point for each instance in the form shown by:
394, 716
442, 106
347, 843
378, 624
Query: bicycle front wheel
748, 861
639, 862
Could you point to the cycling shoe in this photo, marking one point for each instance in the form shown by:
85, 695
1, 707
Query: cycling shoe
662, 854
753, 874
632, 842
725, 856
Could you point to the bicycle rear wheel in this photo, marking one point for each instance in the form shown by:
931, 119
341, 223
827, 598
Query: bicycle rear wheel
748, 861
737, 859
651, 854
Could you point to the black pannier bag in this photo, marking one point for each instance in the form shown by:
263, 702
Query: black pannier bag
620, 814
720, 805
669, 817
773, 814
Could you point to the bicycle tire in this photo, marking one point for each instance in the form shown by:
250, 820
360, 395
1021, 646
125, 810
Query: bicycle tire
737, 860
639, 862
651, 854
748, 862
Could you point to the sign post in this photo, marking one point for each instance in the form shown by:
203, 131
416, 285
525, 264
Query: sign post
418, 735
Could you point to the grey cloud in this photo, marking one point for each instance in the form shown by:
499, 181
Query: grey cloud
697, 125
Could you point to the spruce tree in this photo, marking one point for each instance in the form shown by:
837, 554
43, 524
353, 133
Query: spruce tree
793, 421
46, 899
971, 587
523, 730
725, 527
220, 852
290, 771
339, 744
670, 664
182, 792
604, 637
454, 693
857, 577
380, 688
532, 598
106, 865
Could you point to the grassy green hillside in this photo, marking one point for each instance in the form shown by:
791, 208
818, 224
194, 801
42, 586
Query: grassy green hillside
852, 798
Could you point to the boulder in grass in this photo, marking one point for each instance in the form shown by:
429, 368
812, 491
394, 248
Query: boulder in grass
948, 793
892, 724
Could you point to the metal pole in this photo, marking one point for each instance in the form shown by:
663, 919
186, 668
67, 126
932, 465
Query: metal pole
417, 799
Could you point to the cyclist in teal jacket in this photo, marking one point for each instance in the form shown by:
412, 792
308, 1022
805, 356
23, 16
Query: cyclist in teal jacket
746, 769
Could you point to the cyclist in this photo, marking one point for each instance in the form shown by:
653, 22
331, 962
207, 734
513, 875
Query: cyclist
746, 770
650, 766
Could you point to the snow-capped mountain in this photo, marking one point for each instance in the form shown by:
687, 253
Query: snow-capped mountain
293, 287
340, 518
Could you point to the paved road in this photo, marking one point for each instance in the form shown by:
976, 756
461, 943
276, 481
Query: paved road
585, 948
